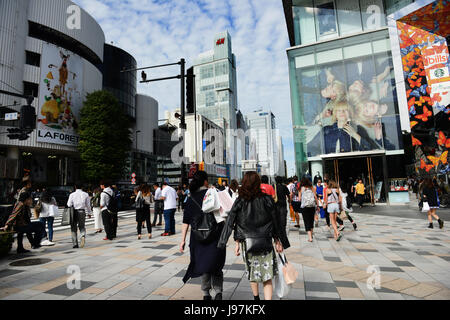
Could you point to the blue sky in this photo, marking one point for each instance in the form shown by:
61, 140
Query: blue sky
159, 31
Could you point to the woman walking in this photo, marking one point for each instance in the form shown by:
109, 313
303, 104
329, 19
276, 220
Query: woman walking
333, 200
430, 195
281, 201
143, 200
49, 208
318, 190
254, 219
207, 260
233, 189
309, 203
95, 203
347, 211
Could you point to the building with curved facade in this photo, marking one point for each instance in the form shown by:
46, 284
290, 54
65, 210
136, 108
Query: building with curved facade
56, 52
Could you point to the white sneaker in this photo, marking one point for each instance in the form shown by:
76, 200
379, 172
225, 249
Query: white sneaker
50, 243
341, 228
46, 243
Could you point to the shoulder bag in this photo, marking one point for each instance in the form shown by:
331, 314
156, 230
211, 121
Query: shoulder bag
204, 226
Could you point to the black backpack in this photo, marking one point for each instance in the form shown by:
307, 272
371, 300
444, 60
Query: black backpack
112, 206
204, 226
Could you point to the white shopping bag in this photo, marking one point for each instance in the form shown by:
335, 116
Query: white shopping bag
211, 201
53, 210
226, 203
426, 207
281, 288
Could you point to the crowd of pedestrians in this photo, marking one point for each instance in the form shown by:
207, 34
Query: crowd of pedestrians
254, 209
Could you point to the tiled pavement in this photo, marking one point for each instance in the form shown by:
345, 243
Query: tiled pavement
414, 263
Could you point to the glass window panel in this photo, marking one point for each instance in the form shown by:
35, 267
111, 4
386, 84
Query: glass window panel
329, 56
308, 78
304, 61
372, 13
325, 19
383, 45
386, 83
349, 16
357, 50
304, 26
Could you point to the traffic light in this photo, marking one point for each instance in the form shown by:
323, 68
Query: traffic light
27, 118
190, 90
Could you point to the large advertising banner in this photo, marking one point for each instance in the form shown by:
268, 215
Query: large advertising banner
60, 96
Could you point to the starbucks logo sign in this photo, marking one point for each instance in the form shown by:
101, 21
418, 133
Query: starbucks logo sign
438, 73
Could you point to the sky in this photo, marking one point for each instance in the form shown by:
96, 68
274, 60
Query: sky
163, 31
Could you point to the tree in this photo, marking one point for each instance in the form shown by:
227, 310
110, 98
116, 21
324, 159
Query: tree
104, 137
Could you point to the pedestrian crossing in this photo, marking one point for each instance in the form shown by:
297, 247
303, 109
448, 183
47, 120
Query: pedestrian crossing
89, 221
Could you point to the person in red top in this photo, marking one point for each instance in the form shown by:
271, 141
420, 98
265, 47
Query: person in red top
266, 187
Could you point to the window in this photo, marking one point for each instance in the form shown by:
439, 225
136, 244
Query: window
222, 85
349, 16
33, 59
210, 98
303, 12
325, 19
207, 88
221, 68
30, 89
206, 72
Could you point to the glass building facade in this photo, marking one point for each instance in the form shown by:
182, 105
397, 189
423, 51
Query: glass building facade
121, 84
344, 101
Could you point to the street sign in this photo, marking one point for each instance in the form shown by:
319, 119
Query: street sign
11, 116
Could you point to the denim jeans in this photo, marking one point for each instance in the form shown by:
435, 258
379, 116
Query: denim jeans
49, 222
169, 219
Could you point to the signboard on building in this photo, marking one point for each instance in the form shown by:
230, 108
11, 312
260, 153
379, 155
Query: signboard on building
221, 171
60, 96
435, 60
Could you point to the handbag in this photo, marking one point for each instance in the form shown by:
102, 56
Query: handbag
258, 245
342, 215
204, 226
210, 201
53, 210
289, 272
66, 216
426, 206
280, 288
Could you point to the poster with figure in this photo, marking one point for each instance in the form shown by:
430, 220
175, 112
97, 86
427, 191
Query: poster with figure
60, 96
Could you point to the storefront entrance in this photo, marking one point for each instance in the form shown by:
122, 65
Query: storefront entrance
347, 170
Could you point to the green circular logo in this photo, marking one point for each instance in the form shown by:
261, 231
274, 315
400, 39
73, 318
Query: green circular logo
438, 73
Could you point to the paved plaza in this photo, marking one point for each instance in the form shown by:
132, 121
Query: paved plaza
414, 263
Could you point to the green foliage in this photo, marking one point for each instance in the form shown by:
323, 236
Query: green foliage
6, 241
104, 137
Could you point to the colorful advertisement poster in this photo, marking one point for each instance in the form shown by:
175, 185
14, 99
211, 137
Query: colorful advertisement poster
60, 96
435, 60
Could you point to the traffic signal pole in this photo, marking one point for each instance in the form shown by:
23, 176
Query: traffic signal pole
182, 77
27, 121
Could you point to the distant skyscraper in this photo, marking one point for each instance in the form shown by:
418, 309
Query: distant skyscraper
216, 91
263, 132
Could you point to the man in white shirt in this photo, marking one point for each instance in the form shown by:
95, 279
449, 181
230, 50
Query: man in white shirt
159, 205
107, 217
81, 204
169, 195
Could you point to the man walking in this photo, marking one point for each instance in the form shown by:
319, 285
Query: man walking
169, 195
159, 205
81, 204
106, 199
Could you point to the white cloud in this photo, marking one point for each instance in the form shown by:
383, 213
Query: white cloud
157, 32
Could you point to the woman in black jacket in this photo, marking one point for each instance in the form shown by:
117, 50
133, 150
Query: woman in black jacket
430, 195
255, 222
207, 260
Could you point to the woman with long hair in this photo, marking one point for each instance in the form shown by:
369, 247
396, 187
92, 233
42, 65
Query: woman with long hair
256, 223
207, 260
143, 199
430, 195
233, 189
333, 200
95, 203
309, 204
47, 216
